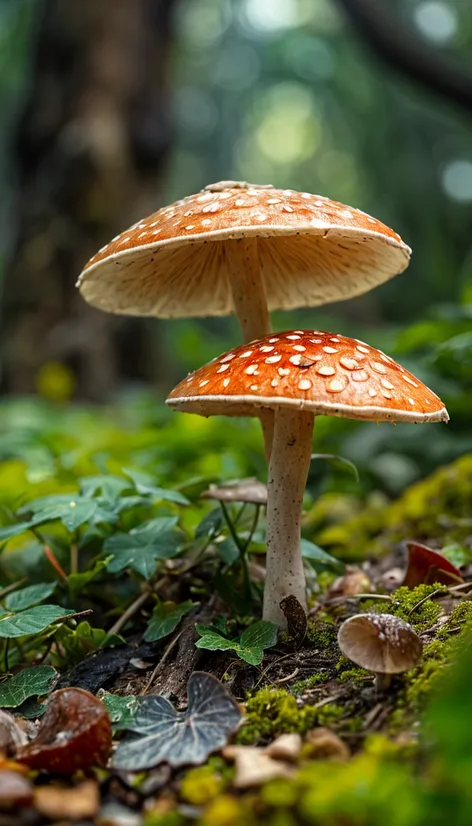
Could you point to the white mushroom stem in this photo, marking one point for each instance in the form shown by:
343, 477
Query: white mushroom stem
288, 472
247, 288
250, 305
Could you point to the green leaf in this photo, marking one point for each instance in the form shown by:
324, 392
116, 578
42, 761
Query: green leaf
32, 621
259, 635
161, 734
165, 619
459, 555
250, 646
31, 595
84, 640
144, 484
10, 531
142, 547
319, 557
31, 682
338, 460
111, 487
210, 524
77, 582
121, 709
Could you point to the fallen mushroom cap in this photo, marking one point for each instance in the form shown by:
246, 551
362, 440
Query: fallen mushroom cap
312, 371
311, 251
428, 566
381, 643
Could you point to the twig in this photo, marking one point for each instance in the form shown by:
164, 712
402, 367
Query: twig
129, 613
287, 678
271, 665
74, 558
9, 588
163, 659
435, 593
347, 597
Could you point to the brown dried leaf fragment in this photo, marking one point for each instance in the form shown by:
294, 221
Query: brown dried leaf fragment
74, 733
60, 803
16, 791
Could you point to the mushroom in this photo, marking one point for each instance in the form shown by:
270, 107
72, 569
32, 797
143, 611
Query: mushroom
243, 248
428, 566
382, 643
296, 375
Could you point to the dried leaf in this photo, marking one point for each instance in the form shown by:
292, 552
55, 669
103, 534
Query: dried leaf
246, 490
74, 733
286, 747
323, 743
16, 791
297, 622
254, 767
59, 803
161, 734
428, 566
11, 735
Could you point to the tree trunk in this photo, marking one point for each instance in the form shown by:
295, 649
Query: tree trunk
90, 148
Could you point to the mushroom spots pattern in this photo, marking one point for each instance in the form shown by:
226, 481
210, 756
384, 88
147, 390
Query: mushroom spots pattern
311, 370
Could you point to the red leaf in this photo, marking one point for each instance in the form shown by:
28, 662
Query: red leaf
426, 566
74, 733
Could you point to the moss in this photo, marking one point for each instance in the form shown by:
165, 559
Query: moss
355, 675
321, 633
225, 810
460, 616
436, 507
316, 679
200, 786
274, 711
404, 604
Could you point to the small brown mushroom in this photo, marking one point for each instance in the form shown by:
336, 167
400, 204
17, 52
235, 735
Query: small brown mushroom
381, 643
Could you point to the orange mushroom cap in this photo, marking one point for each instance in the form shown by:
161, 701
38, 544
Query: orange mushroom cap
310, 370
311, 251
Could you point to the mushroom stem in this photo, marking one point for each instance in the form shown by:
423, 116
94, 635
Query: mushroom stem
288, 472
247, 288
250, 306
382, 682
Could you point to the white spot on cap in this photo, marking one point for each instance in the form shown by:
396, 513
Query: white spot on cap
206, 222
410, 381
362, 349
283, 371
348, 363
299, 347
387, 384
190, 226
266, 349
211, 207
246, 354
239, 202
251, 370
360, 375
226, 382
274, 383
202, 383
254, 387
304, 384
372, 392
411, 401
293, 337
272, 359
324, 370
228, 357
287, 208
330, 350
336, 340
386, 394
272, 340
336, 385
222, 368
273, 201
295, 360
378, 367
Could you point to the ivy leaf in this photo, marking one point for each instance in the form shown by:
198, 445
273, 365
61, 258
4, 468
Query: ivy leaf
84, 640
111, 487
77, 582
142, 547
338, 460
121, 709
10, 531
143, 483
250, 646
32, 621
31, 682
31, 595
162, 735
210, 524
319, 558
165, 619
71, 509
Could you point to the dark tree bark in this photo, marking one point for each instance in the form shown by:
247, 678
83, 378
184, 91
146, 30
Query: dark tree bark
90, 147
383, 32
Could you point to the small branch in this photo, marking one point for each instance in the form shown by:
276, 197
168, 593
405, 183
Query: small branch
128, 614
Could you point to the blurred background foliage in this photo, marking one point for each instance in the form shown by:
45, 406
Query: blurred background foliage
112, 109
